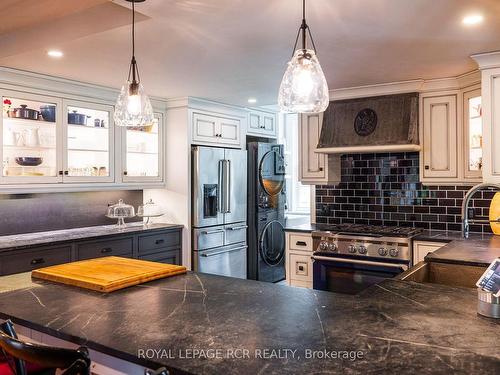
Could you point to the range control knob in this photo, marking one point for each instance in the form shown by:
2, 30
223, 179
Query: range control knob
351, 249
323, 245
332, 247
394, 252
362, 250
382, 251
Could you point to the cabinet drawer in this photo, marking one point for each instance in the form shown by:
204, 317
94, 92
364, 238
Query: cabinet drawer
235, 233
300, 242
300, 267
168, 256
28, 261
119, 247
207, 238
153, 242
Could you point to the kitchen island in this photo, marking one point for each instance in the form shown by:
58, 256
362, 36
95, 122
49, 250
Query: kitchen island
199, 323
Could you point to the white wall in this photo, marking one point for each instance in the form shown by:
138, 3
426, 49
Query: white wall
176, 197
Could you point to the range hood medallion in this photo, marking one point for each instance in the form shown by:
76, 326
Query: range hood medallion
375, 124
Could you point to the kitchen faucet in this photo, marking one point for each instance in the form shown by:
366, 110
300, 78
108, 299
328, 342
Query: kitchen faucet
465, 207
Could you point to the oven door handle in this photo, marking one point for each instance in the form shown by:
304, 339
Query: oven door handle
359, 261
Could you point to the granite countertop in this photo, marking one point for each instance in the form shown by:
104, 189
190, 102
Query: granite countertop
21, 241
391, 328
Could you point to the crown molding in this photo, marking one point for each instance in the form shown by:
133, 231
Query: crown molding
418, 85
487, 60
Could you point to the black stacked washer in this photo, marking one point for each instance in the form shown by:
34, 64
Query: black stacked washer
266, 212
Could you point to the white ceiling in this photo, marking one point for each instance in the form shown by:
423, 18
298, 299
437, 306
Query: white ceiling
230, 50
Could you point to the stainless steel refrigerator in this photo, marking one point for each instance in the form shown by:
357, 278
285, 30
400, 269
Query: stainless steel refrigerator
219, 211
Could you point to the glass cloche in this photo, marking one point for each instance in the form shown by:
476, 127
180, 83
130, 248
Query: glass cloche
120, 211
148, 210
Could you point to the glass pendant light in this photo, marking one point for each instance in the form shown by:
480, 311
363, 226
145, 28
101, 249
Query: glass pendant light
133, 107
303, 88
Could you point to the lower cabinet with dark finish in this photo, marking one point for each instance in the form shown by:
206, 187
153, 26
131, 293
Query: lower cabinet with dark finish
169, 256
28, 260
162, 246
121, 247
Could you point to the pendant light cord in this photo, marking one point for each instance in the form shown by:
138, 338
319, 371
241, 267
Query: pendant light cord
133, 69
304, 30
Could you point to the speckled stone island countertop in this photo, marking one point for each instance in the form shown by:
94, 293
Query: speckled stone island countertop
21, 241
479, 249
396, 327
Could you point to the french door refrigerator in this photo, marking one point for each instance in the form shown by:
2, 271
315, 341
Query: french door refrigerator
219, 211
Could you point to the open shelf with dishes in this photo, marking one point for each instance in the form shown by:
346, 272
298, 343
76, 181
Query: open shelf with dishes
29, 147
71, 142
88, 141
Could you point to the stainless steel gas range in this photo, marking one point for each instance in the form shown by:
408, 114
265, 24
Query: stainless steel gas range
349, 258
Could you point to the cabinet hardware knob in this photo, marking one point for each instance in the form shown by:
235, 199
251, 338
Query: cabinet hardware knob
66, 173
301, 243
106, 250
60, 173
301, 268
37, 261
427, 167
159, 241
124, 173
321, 169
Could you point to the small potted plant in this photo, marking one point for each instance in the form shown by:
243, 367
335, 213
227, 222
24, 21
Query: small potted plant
7, 104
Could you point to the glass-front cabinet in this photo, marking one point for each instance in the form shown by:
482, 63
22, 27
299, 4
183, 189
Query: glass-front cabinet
473, 134
30, 138
142, 152
49, 140
89, 139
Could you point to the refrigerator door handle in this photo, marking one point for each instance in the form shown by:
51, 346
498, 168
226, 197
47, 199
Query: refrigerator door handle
220, 188
227, 188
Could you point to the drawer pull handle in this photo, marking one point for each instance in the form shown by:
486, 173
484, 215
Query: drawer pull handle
213, 231
159, 242
106, 250
301, 243
37, 261
238, 228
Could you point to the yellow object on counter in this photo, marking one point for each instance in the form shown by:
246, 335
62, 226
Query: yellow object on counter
495, 213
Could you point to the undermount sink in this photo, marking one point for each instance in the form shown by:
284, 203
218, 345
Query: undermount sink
443, 273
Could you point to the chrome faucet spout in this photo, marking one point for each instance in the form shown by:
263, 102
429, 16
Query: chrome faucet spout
466, 221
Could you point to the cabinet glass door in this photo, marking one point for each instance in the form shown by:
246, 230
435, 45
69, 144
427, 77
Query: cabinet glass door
30, 138
143, 152
88, 142
473, 133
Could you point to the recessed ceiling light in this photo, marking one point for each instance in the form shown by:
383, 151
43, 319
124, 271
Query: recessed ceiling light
472, 19
252, 100
55, 53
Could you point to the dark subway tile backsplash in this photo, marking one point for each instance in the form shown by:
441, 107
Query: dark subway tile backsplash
384, 189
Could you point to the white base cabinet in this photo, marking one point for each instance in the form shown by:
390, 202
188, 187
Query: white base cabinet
422, 248
315, 168
299, 249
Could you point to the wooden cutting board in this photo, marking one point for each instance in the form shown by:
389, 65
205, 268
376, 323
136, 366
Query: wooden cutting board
107, 274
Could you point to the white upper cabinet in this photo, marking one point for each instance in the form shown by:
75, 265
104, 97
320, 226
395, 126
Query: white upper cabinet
142, 152
31, 138
439, 140
67, 140
315, 168
472, 135
262, 124
212, 129
88, 135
